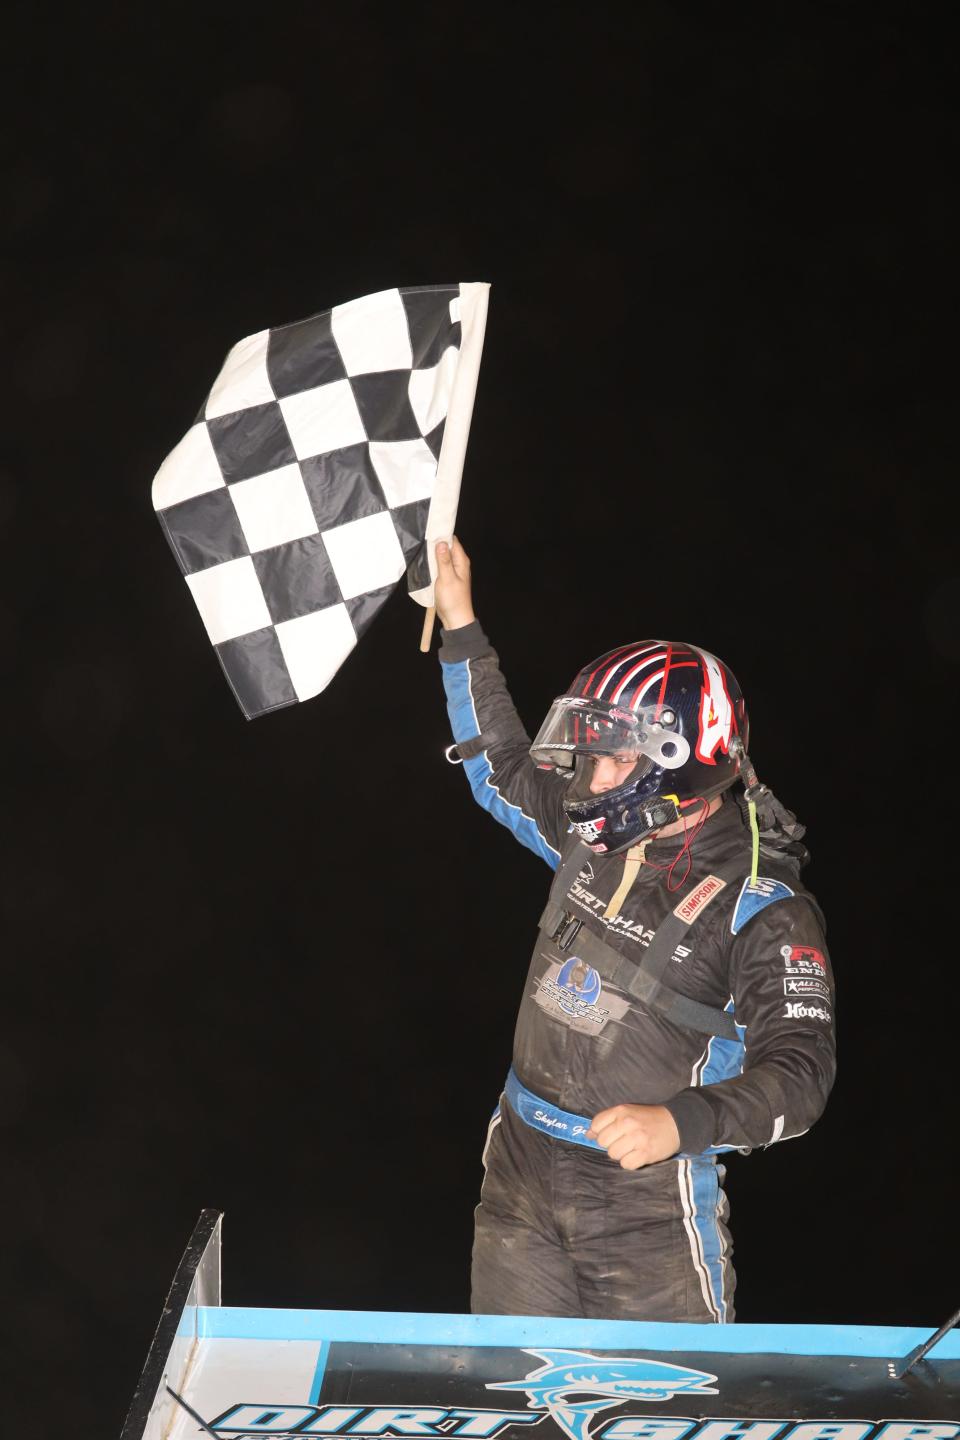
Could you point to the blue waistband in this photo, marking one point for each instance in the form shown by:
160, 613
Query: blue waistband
541, 1115
564, 1125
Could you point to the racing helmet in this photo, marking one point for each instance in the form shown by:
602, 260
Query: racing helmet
673, 709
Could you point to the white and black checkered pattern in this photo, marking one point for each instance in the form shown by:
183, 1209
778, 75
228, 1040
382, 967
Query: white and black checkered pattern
301, 494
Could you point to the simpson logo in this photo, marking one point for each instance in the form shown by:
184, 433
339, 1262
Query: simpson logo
691, 905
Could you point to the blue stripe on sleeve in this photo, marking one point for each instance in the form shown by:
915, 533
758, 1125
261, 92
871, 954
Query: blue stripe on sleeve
725, 1058
479, 771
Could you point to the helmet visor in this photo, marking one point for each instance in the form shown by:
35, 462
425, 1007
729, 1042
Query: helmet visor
585, 727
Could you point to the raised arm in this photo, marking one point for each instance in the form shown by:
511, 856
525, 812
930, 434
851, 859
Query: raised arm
490, 735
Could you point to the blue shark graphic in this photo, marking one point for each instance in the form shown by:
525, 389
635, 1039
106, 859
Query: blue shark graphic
611, 1381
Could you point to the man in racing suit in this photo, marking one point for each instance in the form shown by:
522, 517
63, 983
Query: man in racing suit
602, 1194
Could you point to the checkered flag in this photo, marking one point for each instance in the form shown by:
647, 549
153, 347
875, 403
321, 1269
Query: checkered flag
325, 463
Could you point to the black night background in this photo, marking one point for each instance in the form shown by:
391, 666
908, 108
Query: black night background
272, 967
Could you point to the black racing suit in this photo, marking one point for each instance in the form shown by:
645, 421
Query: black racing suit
561, 1229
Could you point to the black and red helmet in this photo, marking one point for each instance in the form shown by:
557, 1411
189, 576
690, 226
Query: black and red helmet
674, 709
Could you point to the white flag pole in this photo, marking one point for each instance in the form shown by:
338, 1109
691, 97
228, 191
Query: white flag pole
442, 517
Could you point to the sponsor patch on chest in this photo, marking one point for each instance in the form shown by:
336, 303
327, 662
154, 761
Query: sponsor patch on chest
573, 993
585, 899
699, 898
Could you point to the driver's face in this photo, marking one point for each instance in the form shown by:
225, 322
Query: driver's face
609, 772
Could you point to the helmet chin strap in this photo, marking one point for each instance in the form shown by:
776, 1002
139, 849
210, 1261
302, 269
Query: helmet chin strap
686, 850
663, 811
637, 854
656, 815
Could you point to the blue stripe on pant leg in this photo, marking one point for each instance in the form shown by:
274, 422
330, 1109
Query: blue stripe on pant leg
706, 1199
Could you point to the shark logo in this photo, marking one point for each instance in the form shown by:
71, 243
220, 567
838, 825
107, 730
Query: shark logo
573, 1387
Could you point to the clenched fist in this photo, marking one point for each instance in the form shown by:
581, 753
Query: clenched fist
636, 1135
451, 590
